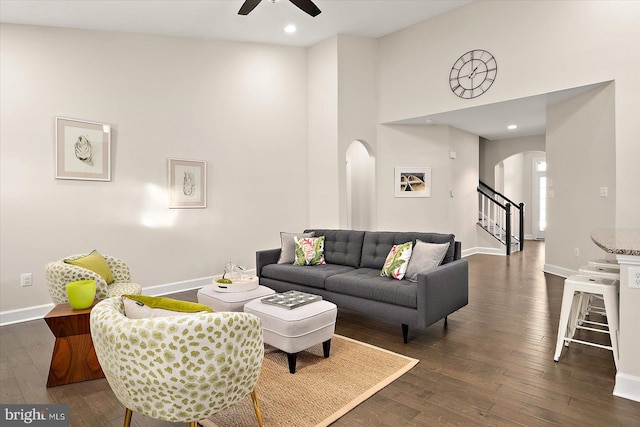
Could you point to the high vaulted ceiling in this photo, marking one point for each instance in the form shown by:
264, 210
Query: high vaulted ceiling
219, 19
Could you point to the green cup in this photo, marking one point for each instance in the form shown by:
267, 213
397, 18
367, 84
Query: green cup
81, 293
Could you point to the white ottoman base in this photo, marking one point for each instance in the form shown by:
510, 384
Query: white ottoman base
298, 329
230, 301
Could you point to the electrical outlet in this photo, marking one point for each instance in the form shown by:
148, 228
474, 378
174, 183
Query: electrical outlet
26, 279
634, 277
576, 251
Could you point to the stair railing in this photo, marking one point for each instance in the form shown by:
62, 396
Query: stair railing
495, 214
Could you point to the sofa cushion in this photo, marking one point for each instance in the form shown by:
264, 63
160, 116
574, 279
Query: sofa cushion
343, 247
425, 256
397, 261
309, 250
288, 246
94, 262
377, 244
367, 283
313, 276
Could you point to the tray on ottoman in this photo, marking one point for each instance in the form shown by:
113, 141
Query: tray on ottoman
291, 299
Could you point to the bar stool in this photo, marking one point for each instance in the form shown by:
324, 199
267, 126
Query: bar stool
606, 263
587, 302
574, 288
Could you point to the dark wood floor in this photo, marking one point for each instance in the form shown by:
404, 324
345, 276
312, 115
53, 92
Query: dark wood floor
492, 365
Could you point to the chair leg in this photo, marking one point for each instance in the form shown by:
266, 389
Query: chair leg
127, 417
193, 424
611, 306
563, 324
256, 408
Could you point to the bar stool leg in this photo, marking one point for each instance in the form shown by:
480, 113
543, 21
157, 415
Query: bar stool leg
611, 307
565, 313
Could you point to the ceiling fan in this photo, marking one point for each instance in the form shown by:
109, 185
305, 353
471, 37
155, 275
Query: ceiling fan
305, 5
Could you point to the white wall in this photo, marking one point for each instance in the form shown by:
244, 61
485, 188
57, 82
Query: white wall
540, 47
357, 107
464, 181
599, 43
493, 152
580, 159
325, 161
226, 103
429, 146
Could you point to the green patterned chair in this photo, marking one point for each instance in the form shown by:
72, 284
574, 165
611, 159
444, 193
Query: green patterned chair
181, 368
58, 273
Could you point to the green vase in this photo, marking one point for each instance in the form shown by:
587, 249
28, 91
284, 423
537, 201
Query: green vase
81, 293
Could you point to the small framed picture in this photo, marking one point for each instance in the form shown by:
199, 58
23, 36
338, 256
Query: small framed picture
187, 184
83, 150
412, 182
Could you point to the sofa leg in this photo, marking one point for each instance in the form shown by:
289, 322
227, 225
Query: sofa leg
405, 333
445, 321
292, 358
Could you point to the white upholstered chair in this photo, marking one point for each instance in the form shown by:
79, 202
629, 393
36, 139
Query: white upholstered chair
59, 273
181, 368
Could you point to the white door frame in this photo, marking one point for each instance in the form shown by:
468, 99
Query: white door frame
535, 197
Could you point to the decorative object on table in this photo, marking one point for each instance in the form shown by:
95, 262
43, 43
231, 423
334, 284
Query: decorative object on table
83, 150
291, 299
81, 293
413, 182
324, 389
234, 272
187, 183
473, 74
111, 274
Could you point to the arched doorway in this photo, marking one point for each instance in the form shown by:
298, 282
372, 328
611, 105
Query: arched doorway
361, 185
520, 178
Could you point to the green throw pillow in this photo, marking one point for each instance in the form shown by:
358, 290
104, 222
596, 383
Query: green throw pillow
397, 261
309, 250
143, 306
94, 262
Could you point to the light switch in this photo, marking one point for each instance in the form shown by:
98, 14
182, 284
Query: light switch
604, 191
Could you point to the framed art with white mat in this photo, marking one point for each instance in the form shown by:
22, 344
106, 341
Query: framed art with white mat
187, 183
83, 150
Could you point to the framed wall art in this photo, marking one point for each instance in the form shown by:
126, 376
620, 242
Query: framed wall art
187, 183
83, 150
413, 182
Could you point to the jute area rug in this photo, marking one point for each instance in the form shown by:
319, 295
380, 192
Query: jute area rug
322, 390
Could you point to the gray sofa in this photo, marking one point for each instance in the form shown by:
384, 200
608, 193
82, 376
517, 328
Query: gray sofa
351, 277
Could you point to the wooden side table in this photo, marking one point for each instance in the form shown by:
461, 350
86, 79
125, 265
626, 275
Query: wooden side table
74, 358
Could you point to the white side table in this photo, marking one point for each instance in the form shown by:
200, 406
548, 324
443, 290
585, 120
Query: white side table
230, 301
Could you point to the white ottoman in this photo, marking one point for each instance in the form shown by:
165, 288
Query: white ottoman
298, 329
230, 301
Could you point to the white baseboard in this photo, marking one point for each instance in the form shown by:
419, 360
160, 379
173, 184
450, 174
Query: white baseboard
483, 250
9, 317
558, 271
627, 386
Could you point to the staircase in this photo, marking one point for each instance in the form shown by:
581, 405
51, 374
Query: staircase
501, 217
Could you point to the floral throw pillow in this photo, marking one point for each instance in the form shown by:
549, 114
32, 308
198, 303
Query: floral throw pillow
397, 261
309, 250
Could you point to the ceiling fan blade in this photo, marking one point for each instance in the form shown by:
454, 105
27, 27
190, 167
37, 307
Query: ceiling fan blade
248, 6
307, 6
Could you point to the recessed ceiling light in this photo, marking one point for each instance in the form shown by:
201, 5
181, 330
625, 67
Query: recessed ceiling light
512, 127
290, 29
